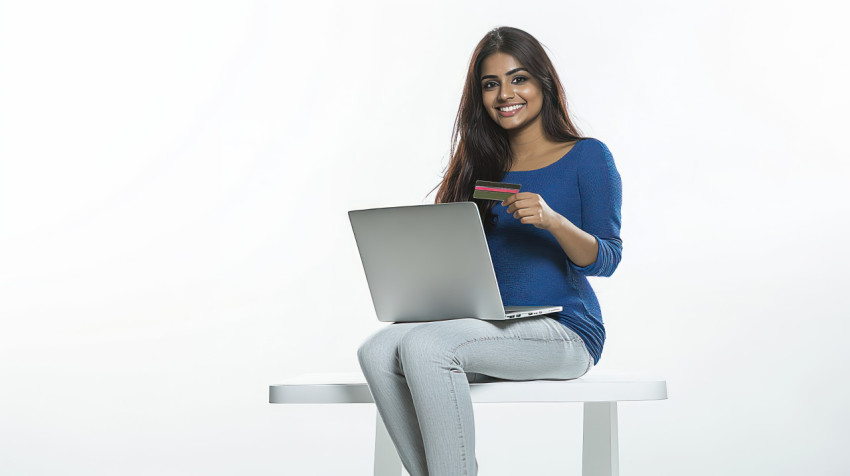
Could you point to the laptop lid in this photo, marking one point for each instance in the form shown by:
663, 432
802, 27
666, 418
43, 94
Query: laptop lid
428, 262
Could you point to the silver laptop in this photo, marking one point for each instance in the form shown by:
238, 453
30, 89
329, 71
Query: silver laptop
431, 263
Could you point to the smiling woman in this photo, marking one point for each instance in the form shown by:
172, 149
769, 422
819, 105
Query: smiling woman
512, 126
515, 94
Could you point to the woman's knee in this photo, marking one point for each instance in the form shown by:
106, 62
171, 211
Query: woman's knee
380, 348
428, 343
370, 353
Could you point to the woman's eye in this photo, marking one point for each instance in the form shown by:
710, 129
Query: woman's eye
517, 79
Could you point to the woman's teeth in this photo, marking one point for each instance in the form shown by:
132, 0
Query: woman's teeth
511, 108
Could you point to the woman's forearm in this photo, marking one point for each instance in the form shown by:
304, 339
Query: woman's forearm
581, 247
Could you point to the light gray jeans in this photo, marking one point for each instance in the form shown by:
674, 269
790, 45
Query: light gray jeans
419, 375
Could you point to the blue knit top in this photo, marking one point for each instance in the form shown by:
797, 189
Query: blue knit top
531, 267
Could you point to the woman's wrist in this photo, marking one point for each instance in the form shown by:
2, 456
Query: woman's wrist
581, 247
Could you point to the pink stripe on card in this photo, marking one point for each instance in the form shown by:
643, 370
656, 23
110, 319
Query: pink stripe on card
490, 189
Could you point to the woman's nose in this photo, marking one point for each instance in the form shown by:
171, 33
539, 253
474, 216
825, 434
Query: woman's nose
506, 93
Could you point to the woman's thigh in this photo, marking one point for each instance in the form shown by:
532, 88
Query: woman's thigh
523, 349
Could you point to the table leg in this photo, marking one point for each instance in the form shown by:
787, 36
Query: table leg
387, 462
600, 452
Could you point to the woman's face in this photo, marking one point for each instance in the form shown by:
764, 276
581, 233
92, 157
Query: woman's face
511, 96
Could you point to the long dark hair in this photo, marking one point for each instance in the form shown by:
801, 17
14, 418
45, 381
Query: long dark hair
480, 148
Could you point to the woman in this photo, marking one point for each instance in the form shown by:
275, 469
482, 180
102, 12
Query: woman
512, 126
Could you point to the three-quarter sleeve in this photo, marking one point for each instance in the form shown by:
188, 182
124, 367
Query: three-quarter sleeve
601, 193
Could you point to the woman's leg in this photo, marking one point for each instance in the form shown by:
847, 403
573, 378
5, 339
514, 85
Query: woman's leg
435, 356
379, 360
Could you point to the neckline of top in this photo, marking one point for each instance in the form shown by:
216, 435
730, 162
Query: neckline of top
574, 147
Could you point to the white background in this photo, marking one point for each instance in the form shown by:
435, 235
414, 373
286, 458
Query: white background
175, 179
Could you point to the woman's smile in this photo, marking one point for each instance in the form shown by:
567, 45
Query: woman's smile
510, 110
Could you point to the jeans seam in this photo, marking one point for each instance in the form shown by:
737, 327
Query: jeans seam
460, 422
513, 338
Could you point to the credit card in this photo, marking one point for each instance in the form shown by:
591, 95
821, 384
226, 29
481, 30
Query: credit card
494, 190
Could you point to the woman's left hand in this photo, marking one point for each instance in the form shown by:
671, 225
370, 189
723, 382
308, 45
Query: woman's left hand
531, 208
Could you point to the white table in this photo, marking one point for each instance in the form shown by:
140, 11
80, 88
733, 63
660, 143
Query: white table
599, 393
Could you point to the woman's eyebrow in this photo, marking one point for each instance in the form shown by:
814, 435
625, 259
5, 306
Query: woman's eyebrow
506, 74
